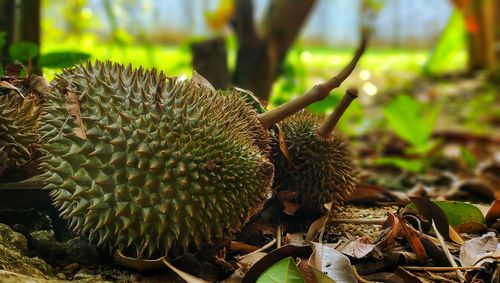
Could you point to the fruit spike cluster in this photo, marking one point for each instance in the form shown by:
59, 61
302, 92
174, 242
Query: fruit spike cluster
140, 160
319, 165
18, 130
144, 163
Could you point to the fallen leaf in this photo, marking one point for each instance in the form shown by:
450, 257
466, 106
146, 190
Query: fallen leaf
273, 257
478, 187
282, 145
433, 251
199, 79
74, 109
393, 223
413, 239
315, 228
186, 276
470, 227
478, 247
138, 264
329, 265
493, 213
367, 194
284, 271
430, 211
358, 248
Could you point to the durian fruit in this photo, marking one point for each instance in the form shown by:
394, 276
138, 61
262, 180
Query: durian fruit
19, 114
318, 166
143, 162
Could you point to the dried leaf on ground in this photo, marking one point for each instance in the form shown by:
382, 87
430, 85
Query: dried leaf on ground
494, 212
329, 265
358, 248
474, 249
186, 276
414, 241
74, 109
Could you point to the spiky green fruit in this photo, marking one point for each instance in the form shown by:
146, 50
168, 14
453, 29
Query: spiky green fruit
319, 170
18, 132
143, 162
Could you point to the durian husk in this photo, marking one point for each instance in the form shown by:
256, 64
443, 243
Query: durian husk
19, 122
320, 170
143, 163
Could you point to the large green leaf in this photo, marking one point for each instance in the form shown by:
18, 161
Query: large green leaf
23, 50
458, 212
450, 47
406, 118
284, 271
63, 59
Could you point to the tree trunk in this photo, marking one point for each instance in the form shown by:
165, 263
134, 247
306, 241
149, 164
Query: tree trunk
210, 61
260, 53
484, 36
259, 57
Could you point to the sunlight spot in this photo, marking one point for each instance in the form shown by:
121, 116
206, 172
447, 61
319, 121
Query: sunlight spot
365, 75
369, 88
306, 56
182, 78
86, 13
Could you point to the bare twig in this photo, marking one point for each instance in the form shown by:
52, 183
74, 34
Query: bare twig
440, 268
317, 93
325, 130
460, 275
265, 247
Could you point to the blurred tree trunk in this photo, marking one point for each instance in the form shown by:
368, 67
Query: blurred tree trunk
261, 52
482, 19
21, 20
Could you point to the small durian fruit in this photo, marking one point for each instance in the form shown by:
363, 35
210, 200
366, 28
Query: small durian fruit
19, 115
318, 167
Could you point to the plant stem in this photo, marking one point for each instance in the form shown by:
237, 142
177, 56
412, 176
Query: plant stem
326, 129
317, 93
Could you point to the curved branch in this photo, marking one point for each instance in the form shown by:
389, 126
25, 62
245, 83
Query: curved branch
317, 93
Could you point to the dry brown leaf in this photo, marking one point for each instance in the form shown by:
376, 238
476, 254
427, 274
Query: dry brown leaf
494, 212
315, 228
199, 79
329, 265
74, 109
476, 248
358, 248
414, 241
282, 145
186, 276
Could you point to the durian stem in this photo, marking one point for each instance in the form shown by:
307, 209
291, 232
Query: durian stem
326, 129
317, 93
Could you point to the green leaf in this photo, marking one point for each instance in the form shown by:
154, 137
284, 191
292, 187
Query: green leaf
284, 271
458, 212
406, 118
412, 165
450, 47
23, 50
64, 59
